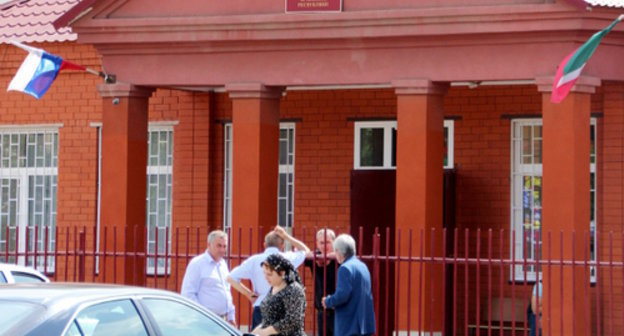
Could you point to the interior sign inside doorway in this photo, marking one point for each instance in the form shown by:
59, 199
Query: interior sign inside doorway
311, 6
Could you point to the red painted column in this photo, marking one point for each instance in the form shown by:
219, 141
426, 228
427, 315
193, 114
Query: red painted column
255, 120
565, 171
419, 187
124, 162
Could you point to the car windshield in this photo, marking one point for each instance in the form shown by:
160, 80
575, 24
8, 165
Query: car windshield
14, 313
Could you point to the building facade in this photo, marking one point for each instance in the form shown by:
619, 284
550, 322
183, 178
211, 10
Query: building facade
249, 116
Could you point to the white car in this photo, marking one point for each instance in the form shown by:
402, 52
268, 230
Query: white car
10, 273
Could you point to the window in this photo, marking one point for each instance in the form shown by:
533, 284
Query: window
174, 318
449, 144
28, 194
375, 144
111, 318
227, 176
286, 182
286, 177
526, 189
158, 196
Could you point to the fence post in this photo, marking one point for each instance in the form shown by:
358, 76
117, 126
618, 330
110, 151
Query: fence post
81, 256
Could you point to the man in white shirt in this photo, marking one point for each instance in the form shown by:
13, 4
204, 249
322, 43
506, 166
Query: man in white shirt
205, 280
251, 268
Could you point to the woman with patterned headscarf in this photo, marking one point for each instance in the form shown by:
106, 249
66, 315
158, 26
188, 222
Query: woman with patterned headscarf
283, 308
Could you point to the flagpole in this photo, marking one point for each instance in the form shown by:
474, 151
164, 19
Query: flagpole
108, 78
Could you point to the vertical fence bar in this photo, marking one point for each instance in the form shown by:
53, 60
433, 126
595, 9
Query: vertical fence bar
6, 246
455, 251
587, 273
250, 245
466, 297
56, 248
26, 238
35, 248
187, 247
115, 254
75, 254
167, 246
524, 274
443, 281
16, 253
397, 281
104, 254
155, 254
478, 273
313, 273
84, 251
67, 254
360, 242
409, 284
387, 291
610, 280
135, 254
573, 279
81, 256
95, 253
513, 282
376, 270
420, 279
45, 248
597, 281
430, 275
501, 284
176, 259
489, 290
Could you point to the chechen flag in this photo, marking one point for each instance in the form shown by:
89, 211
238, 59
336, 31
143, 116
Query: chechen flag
38, 71
570, 68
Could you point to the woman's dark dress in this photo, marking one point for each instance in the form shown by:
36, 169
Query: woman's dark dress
285, 311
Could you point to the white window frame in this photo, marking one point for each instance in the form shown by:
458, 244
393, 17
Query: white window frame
227, 175
289, 170
516, 220
228, 132
388, 126
23, 174
449, 126
167, 169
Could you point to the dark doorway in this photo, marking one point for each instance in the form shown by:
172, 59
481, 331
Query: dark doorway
373, 194
373, 207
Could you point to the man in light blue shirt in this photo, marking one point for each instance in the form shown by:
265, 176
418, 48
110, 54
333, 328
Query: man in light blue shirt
205, 280
251, 268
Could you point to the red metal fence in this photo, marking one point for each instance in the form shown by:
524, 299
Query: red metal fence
485, 285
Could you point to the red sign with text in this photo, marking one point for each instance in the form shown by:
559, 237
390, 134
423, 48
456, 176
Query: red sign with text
296, 6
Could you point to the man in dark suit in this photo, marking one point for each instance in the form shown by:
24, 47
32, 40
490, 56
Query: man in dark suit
353, 299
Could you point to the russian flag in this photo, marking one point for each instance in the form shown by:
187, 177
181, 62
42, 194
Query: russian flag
38, 71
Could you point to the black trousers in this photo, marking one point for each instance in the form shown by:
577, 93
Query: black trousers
329, 317
256, 317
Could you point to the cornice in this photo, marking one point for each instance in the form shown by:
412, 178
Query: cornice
434, 22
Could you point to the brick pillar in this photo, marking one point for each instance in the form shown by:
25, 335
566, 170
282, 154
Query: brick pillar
124, 165
255, 121
419, 187
565, 171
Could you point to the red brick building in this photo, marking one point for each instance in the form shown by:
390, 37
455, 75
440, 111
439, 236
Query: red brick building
255, 116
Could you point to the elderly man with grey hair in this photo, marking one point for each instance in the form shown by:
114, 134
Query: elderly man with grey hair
322, 264
353, 299
205, 278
